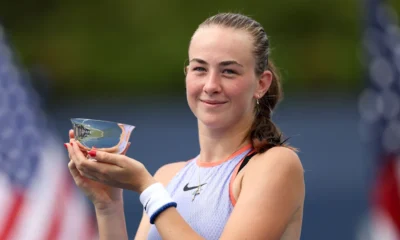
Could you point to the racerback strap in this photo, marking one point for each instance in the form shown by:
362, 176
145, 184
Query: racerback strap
246, 160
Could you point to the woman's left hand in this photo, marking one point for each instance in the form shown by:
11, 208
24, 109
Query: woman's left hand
115, 170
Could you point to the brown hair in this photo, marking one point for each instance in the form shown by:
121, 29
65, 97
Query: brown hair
264, 134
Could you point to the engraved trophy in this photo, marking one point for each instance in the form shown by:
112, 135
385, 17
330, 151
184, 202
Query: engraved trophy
105, 136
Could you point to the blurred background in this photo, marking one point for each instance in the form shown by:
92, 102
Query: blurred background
123, 61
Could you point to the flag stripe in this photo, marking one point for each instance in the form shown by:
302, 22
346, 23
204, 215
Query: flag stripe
14, 210
74, 227
42, 196
386, 195
59, 209
6, 199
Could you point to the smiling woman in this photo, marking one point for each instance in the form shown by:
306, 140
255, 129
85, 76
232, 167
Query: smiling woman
245, 183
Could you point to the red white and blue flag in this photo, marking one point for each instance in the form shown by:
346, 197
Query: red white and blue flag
380, 111
38, 198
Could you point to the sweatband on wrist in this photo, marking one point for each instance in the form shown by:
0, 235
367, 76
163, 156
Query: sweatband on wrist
155, 199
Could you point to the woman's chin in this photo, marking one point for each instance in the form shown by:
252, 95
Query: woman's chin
213, 123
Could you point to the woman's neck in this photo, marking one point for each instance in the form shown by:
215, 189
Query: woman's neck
216, 145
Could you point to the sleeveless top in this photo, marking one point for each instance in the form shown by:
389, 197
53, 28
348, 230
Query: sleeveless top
203, 194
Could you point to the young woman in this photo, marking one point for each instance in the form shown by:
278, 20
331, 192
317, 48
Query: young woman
244, 184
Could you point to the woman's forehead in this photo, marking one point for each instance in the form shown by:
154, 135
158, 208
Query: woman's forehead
220, 44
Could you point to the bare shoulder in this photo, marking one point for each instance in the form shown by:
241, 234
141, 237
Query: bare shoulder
278, 159
165, 173
277, 168
271, 197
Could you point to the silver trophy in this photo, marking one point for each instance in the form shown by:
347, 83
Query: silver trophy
105, 136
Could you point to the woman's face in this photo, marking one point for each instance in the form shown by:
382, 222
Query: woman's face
221, 84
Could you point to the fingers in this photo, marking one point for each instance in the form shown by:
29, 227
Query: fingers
72, 169
84, 165
71, 152
102, 170
105, 157
77, 175
78, 152
73, 159
74, 172
80, 159
79, 166
71, 133
76, 155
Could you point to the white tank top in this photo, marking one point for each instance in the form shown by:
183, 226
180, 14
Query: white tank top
206, 208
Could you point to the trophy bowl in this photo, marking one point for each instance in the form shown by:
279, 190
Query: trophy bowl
105, 136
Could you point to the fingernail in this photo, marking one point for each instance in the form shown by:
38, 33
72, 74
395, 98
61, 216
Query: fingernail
72, 144
65, 145
92, 153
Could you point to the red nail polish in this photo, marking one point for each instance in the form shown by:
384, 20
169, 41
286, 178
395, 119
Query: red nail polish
65, 145
92, 153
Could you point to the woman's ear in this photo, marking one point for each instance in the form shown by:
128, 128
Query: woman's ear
264, 82
185, 66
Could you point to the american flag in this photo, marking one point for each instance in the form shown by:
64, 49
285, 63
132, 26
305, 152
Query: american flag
38, 198
380, 111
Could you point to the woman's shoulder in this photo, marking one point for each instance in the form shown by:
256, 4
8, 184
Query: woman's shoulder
277, 160
281, 154
165, 173
277, 173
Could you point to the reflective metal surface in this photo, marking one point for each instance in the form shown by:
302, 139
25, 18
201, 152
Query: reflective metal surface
103, 135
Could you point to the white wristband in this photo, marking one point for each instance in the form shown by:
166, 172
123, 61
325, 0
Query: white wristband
155, 199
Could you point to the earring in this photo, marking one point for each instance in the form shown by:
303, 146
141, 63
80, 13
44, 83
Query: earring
258, 102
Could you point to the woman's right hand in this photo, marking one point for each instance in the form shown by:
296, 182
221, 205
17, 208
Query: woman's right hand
102, 196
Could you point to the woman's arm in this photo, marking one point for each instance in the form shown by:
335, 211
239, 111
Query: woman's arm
171, 225
108, 201
272, 192
163, 175
111, 222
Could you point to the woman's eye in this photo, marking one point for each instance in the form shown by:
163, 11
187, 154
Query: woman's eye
229, 71
199, 69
